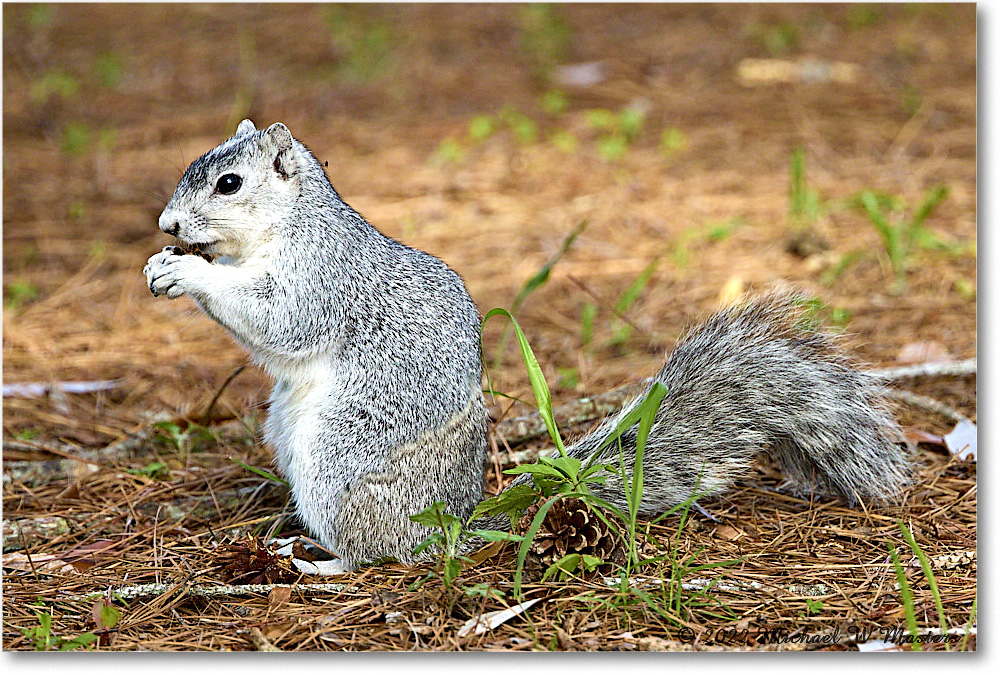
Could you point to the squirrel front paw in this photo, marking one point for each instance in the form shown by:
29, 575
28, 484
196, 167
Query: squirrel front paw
169, 270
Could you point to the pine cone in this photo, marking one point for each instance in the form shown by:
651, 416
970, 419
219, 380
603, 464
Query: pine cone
571, 526
253, 563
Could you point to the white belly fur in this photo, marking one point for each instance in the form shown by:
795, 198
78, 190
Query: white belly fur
293, 420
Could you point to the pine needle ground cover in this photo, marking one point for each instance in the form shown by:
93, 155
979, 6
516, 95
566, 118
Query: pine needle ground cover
692, 152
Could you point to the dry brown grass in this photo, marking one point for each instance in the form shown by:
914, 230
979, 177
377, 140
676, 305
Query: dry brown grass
79, 226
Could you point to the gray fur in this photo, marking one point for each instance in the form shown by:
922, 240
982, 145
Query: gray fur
377, 409
755, 377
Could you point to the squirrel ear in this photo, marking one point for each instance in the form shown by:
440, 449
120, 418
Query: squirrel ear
278, 137
277, 143
245, 127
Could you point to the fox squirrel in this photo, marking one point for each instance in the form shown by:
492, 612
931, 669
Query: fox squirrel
377, 409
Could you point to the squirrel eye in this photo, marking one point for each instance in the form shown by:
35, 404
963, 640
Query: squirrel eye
229, 183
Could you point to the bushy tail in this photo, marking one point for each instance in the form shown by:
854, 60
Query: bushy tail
758, 377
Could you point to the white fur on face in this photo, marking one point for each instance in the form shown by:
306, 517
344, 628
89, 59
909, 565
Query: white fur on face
236, 225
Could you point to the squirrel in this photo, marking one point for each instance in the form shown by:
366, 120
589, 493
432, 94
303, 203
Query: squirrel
377, 409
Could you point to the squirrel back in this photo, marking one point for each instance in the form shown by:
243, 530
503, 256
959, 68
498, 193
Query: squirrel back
377, 409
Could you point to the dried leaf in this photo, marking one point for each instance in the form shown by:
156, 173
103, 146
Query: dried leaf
878, 646
278, 597
491, 620
732, 291
921, 436
961, 441
727, 532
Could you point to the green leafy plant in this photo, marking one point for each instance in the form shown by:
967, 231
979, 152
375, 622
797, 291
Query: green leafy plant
524, 128
364, 45
674, 601
616, 132
587, 315
55, 83
449, 151
968, 624
672, 142
184, 440
778, 39
564, 140
569, 378
481, 127
44, 640
554, 102
76, 138
691, 238
901, 234
545, 37
565, 476
447, 538
843, 263
568, 564
483, 590
154, 470
966, 288
905, 594
20, 292
805, 204
816, 312
28, 434
109, 69
449, 534
634, 485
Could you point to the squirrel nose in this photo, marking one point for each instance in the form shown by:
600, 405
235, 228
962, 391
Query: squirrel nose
169, 223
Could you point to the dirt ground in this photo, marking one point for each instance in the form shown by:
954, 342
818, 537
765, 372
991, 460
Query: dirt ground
484, 135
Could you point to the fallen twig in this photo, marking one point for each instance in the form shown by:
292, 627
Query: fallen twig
207, 591
925, 402
932, 369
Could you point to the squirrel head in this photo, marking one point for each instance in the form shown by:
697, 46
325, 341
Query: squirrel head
231, 199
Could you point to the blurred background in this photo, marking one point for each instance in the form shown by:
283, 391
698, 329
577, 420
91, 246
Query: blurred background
659, 159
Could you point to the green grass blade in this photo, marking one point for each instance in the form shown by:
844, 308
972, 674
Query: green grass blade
906, 595
543, 273
797, 183
537, 280
968, 624
539, 386
632, 293
260, 472
927, 206
925, 565
491, 392
651, 402
870, 203
529, 536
